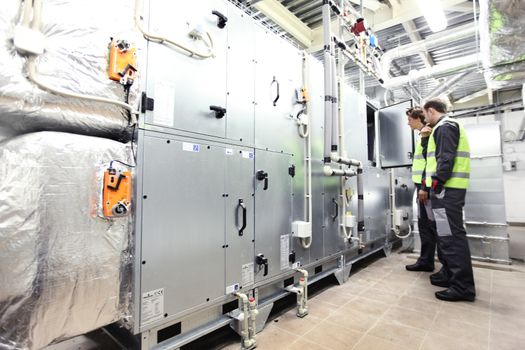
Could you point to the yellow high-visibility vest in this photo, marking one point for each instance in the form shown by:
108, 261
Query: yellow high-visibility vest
461, 170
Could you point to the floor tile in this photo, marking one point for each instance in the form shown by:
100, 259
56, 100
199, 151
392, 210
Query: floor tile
503, 341
273, 337
451, 312
441, 342
334, 296
448, 325
370, 342
406, 317
333, 336
296, 325
353, 319
418, 305
410, 338
387, 297
369, 306
302, 344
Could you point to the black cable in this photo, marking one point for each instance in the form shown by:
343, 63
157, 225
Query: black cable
132, 142
121, 162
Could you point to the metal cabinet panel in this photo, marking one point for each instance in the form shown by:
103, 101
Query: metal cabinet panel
377, 188
241, 76
273, 215
183, 87
277, 64
333, 239
183, 222
396, 144
239, 186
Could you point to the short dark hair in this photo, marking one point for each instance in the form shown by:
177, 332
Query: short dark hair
409, 111
437, 105
417, 113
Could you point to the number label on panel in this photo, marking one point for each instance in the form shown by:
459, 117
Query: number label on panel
191, 147
247, 155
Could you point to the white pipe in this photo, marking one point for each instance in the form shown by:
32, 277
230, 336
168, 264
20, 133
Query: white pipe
328, 171
244, 317
307, 242
335, 107
424, 45
342, 160
449, 67
440, 89
166, 40
327, 81
252, 329
302, 302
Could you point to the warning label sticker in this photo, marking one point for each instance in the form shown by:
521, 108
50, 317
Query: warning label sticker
152, 306
285, 251
191, 147
247, 274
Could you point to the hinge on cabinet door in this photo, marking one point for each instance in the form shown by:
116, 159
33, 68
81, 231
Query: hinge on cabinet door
291, 170
147, 103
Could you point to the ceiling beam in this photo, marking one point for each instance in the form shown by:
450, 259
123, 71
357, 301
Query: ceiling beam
372, 5
275, 11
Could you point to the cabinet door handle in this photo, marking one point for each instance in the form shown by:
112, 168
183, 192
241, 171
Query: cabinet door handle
334, 217
276, 83
221, 19
241, 205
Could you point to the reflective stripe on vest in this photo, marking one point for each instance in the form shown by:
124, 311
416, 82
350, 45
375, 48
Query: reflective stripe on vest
418, 163
461, 170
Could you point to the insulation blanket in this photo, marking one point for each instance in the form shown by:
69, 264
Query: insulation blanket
64, 269
77, 34
503, 42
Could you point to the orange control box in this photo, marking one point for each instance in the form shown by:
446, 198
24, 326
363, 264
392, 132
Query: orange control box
122, 62
117, 193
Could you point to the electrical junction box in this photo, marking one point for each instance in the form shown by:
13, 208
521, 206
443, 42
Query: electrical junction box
399, 217
301, 229
350, 221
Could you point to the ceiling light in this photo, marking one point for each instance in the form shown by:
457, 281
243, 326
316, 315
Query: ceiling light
434, 14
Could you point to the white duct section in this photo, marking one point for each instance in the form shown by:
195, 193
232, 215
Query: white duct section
447, 68
420, 46
446, 85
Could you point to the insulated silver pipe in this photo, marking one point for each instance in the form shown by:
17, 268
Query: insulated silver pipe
335, 107
327, 83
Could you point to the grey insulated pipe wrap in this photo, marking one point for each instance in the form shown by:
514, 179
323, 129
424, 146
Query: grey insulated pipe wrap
360, 202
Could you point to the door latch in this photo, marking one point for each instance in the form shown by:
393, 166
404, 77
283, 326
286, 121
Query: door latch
220, 112
261, 260
221, 19
262, 175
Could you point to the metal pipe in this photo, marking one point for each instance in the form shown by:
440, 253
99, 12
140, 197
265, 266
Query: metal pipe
335, 107
446, 85
424, 45
327, 82
447, 68
482, 223
489, 238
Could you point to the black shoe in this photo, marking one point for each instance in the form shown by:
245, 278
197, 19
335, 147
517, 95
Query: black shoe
450, 295
440, 275
440, 282
419, 267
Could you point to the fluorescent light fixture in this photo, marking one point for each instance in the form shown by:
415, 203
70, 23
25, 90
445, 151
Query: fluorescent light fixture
434, 14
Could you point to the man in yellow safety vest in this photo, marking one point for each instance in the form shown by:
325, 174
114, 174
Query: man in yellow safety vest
447, 175
425, 220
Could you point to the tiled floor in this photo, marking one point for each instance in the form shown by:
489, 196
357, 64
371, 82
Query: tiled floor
386, 307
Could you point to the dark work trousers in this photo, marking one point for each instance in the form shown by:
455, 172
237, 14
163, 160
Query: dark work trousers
447, 208
427, 234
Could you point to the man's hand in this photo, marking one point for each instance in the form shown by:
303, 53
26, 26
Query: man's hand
423, 196
426, 131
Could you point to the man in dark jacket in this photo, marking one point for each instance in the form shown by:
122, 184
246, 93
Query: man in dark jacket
447, 177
